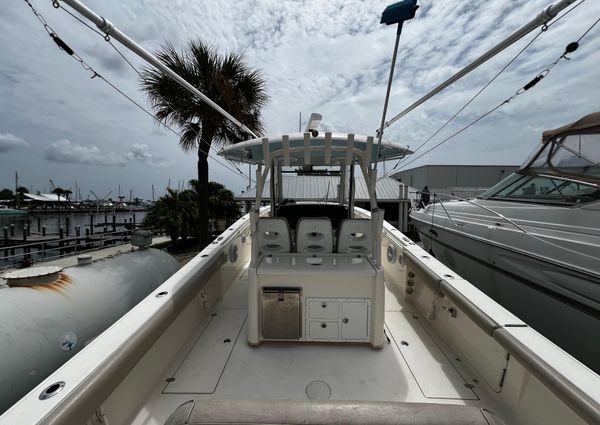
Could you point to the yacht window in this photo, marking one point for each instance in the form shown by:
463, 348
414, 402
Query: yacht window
542, 189
573, 155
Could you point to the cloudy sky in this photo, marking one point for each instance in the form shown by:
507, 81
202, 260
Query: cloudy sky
330, 57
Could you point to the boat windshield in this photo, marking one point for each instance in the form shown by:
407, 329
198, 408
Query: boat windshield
543, 189
574, 156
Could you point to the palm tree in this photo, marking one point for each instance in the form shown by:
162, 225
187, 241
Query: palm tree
176, 213
58, 191
227, 80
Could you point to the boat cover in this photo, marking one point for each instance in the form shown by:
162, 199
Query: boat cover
569, 152
588, 124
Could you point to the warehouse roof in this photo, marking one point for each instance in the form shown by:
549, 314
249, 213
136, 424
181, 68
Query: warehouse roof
320, 188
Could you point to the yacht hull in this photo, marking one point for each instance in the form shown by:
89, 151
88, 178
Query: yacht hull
543, 294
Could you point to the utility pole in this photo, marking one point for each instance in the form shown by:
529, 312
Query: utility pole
16, 181
152, 193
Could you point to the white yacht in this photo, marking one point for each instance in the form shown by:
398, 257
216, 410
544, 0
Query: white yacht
315, 314
532, 242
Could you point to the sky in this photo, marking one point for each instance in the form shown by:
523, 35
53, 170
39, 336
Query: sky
331, 57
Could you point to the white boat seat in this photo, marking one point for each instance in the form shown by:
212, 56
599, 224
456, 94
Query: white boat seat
314, 235
273, 235
235, 412
355, 236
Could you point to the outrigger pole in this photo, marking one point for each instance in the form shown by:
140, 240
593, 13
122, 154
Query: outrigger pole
110, 30
396, 13
542, 19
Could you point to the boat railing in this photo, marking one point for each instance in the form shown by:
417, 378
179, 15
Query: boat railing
497, 214
84, 382
459, 198
502, 217
537, 355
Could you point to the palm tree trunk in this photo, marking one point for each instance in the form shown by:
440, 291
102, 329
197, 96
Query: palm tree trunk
202, 189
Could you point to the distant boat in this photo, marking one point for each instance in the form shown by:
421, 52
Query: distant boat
4, 210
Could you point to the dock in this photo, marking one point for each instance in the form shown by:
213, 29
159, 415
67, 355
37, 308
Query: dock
27, 247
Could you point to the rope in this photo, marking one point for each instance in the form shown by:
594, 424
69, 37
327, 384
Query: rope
570, 48
106, 37
63, 46
473, 98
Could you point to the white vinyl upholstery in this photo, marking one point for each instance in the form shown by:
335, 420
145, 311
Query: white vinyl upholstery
314, 235
355, 236
273, 235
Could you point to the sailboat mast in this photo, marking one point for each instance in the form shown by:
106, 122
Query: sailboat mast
109, 29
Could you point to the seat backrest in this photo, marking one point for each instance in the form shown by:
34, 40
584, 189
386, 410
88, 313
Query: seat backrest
355, 236
273, 235
314, 235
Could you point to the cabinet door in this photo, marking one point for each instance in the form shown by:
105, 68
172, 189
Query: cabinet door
355, 319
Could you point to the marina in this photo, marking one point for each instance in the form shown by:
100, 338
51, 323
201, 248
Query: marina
314, 306
42, 237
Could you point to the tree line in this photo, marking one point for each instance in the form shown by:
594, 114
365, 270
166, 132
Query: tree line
177, 213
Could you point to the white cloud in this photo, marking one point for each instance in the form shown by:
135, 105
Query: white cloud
141, 152
330, 57
68, 152
10, 141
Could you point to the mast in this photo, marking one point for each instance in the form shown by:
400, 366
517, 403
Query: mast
541, 19
110, 30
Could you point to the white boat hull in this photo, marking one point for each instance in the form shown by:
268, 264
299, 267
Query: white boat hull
561, 303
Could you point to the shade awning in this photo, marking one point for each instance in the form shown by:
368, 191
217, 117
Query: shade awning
299, 149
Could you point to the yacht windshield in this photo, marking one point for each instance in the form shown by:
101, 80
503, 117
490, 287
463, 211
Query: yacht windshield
575, 155
543, 189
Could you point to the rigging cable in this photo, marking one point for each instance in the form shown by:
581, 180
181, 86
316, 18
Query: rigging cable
570, 48
543, 29
63, 46
106, 38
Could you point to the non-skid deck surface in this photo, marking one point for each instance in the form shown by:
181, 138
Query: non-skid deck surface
221, 365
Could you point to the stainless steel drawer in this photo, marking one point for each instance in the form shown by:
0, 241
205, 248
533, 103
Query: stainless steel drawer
281, 313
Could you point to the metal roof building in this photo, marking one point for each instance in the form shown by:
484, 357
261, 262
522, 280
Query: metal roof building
44, 197
469, 180
320, 188
454, 175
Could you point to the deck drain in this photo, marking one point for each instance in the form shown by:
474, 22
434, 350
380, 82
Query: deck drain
52, 390
318, 390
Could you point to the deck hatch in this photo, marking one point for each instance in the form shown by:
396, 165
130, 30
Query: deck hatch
201, 370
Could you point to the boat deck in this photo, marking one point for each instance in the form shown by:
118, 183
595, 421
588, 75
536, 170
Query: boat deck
413, 366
